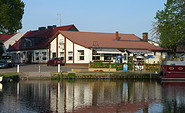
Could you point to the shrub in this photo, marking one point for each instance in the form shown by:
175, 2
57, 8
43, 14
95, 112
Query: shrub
118, 66
152, 66
99, 65
71, 75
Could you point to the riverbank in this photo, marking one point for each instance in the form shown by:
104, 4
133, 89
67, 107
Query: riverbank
78, 75
42, 71
107, 75
9, 77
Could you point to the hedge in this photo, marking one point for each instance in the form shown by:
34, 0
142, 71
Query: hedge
118, 66
152, 66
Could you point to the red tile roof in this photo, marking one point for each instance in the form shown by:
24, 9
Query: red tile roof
45, 34
5, 37
15, 47
48, 33
87, 39
107, 40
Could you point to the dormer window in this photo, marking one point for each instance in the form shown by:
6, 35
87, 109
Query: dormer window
27, 42
24, 43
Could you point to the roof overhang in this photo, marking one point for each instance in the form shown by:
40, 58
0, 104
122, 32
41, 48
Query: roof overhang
139, 51
108, 51
139, 56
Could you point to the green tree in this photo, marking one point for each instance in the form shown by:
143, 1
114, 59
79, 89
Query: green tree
11, 13
171, 25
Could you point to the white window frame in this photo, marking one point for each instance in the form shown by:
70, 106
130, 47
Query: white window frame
81, 53
70, 54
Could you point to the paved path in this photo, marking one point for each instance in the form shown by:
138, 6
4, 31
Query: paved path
35, 68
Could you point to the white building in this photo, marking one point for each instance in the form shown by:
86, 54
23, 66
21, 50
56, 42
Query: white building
81, 48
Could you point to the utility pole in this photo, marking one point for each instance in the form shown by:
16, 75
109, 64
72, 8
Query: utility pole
60, 18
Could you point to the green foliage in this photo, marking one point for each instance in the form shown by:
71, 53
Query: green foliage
99, 65
152, 66
12, 75
118, 66
15, 77
171, 25
8, 74
56, 77
130, 66
71, 75
10, 15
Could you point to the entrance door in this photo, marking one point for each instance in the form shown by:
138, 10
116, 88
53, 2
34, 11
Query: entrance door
29, 57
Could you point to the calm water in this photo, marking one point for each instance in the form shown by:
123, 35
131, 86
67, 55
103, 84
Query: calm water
92, 96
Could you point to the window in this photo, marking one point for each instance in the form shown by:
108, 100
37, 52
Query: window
62, 55
43, 55
37, 56
54, 55
154, 53
96, 56
107, 56
80, 54
24, 44
61, 43
6, 57
70, 55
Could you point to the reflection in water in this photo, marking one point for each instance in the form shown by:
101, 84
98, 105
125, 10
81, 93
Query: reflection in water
93, 96
174, 97
1, 87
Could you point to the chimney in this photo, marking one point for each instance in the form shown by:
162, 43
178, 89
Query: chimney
117, 35
48, 27
145, 36
41, 28
51, 26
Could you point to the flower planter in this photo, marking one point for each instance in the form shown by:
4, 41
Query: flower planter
98, 70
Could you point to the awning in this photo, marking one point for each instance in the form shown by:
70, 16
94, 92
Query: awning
139, 56
135, 51
119, 57
108, 51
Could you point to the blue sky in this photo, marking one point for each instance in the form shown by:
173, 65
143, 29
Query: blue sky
125, 16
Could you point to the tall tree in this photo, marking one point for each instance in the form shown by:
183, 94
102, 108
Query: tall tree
171, 25
11, 13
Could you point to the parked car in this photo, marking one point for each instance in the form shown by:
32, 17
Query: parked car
55, 61
8, 57
3, 64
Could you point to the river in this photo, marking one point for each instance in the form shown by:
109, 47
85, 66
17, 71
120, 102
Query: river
92, 96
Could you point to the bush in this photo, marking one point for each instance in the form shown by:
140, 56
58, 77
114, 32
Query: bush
130, 66
152, 66
118, 66
71, 75
99, 65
